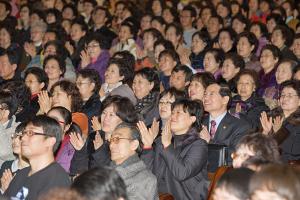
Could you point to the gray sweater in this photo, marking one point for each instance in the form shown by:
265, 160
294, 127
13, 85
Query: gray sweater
140, 183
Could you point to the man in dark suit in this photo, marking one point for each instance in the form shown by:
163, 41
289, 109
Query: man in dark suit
220, 126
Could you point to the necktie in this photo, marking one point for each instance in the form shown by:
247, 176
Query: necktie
213, 128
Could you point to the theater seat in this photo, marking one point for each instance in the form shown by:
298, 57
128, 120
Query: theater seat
166, 196
294, 163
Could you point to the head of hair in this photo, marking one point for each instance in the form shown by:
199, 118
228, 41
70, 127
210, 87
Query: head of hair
80, 22
72, 91
262, 27
173, 92
107, 13
127, 57
159, 19
12, 56
236, 59
178, 30
132, 28
103, 43
72, 7
253, 74
204, 36
8, 101
191, 9
274, 50
218, 54
61, 194
124, 70
232, 34
165, 43
276, 17
39, 13
294, 84
64, 113
7, 6
241, 18
59, 48
41, 25
185, 69
10, 30
250, 37
287, 34
171, 53
150, 75
123, 107
39, 74
59, 60
205, 78
56, 13
93, 77
100, 183
154, 32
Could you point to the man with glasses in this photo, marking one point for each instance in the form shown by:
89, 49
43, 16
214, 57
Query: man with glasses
8, 124
39, 141
125, 144
221, 127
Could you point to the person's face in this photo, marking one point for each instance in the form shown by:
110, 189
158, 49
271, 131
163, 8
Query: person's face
124, 34
157, 50
119, 9
205, 15
112, 74
33, 84
263, 194
166, 64
210, 63
4, 112
148, 41
256, 30
34, 18
7, 70
222, 193
36, 34
164, 106
229, 70
289, 99
99, 17
57, 116
171, 36
213, 25
222, 11
145, 23
283, 72
16, 144
238, 26
264, 7
277, 38
271, 25
61, 98
245, 86
177, 80
50, 19
156, 8
186, 19
141, 86
158, 26
24, 13
196, 90
5, 40
121, 145
167, 15
3, 10
267, 60
76, 32
68, 13
225, 41
109, 119
253, 5
93, 49
53, 70
35, 145
241, 155
197, 44
213, 101
181, 120
50, 50
59, 4
87, 8
85, 87
296, 47
244, 48
48, 36
48, 3
235, 9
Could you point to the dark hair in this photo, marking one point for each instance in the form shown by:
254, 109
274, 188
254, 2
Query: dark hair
151, 75
127, 57
236, 59
56, 13
154, 32
218, 55
225, 4
293, 64
274, 50
93, 77
287, 34
7, 6
124, 70
165, 43
173, 12
250, 37
185, 69
132, 27
39, 74
100, 183
72, 7
71, 90
236, 182
61, 51
159, 19
232, 34
84, 27
265, 148
10, 30
194, 108
11, 55
39, 13
276, 17
107, 13
218, 17
204, 36
8, 101
294, 84
134, 134
59, 60
103, 43
242, 19
178, 30
224, 91
205, 78
50, 128
123, 107
191, 9
262, 27
173, 92
253, 74
64, 113
280, 179
171, 53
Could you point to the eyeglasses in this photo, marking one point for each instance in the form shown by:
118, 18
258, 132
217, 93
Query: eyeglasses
30, 133
16, 135
287, 96
165, 103
116, 140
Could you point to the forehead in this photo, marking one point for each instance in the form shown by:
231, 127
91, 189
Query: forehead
4, 58
289, 90
30, 126
178, 73
122, 132
213, 88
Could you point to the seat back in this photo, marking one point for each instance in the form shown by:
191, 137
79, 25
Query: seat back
166, 196
217, 157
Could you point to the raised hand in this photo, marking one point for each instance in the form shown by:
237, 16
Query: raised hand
148, 135
98, 141
85, 58
69, 47
204, 134
267, 123
96, 125
166, 135
77, 141
6, 179
44, 101
238, 108
277, 123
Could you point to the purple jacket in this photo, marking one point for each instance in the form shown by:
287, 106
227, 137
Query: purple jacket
100, 64
266, 81
65, 154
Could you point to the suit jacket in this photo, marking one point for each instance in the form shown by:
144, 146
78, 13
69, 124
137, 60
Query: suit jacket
229, 132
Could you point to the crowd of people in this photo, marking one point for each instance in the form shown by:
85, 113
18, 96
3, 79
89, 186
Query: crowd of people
142, 100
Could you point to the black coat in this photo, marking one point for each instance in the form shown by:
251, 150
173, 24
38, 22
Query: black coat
181, 170
92, 107
229, 132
